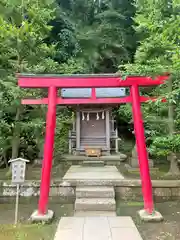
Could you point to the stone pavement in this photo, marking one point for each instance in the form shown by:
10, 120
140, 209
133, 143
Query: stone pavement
97, 228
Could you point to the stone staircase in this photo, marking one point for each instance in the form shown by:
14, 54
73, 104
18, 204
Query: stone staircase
95, 201
93, 163
93, 141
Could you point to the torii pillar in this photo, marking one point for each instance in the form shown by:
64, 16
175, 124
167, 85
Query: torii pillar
43, 213
148, 213
91, 81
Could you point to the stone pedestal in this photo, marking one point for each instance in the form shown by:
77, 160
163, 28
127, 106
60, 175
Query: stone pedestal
134, 160
36, 217
154, 217
133, 165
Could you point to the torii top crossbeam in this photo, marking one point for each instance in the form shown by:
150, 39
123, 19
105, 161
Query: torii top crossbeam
86, 81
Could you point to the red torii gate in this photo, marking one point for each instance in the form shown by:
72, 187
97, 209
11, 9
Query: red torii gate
53, 82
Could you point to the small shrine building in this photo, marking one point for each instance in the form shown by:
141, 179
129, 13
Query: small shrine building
94, 125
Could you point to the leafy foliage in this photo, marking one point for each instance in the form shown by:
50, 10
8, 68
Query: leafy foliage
163, 146
23, 30
102, 30
157, 27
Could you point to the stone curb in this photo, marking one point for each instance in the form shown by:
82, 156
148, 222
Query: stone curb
118, 183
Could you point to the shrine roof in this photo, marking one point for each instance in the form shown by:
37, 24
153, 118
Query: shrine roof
86, 92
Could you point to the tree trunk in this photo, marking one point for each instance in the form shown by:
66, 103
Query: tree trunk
15, 138
170, 111
16, 130
16, 135
174, 169
5, 160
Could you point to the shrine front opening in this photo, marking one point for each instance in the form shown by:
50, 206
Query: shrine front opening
94, 82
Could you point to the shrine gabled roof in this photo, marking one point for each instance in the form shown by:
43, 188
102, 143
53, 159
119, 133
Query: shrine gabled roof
86, 92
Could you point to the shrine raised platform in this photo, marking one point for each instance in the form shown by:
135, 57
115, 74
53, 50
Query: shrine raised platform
89, 173
114, 159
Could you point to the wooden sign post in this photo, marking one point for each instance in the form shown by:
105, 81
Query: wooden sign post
18, 167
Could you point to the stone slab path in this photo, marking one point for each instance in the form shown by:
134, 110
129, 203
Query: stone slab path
93, 173
97, 228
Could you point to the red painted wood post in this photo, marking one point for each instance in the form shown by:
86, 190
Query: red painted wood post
48, 150
141, 150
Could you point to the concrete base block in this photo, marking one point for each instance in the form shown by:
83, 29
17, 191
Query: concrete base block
154, 217
36, 217
93, 163
95, 213
95, 204
137, 170
95, 192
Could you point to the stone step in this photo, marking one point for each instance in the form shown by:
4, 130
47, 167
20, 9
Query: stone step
93, 163
95, 213
95, 192
95, 204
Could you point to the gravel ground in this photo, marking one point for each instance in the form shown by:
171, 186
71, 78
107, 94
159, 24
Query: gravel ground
169, 229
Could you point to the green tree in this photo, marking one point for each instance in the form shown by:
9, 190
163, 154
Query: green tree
103, 33
158, 26
23, 27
